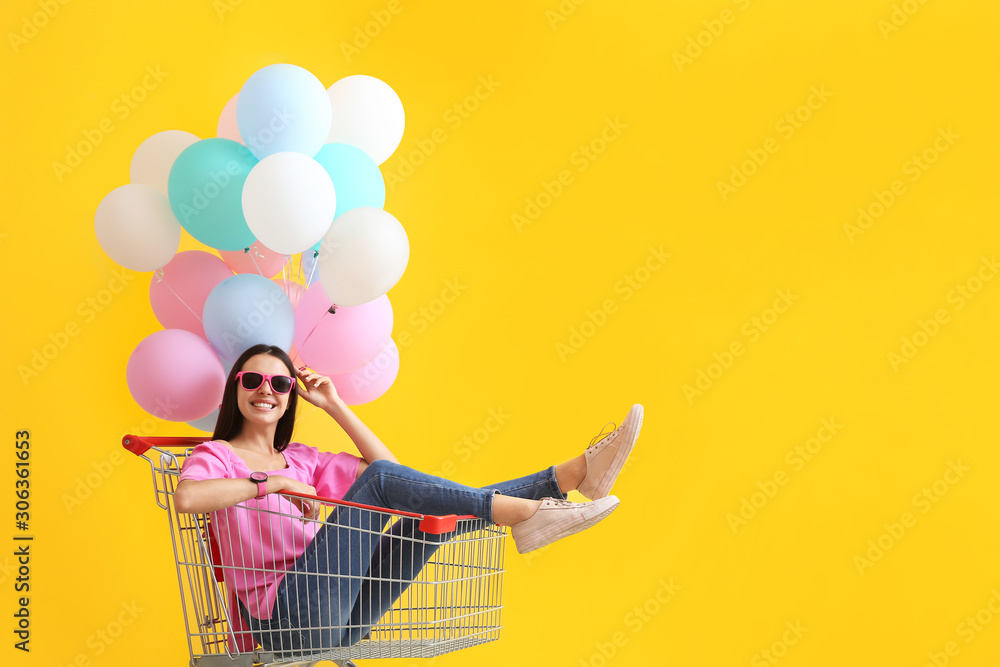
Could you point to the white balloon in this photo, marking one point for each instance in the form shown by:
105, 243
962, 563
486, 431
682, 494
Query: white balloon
137, 228
362, 256
367, 113
154, 157
289, 202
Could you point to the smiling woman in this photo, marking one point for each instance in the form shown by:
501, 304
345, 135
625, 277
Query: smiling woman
279, 570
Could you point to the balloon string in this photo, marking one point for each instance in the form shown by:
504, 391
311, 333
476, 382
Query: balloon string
312, 269
254, 252
160, 278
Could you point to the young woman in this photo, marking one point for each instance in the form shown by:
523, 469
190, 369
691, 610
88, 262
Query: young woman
300, 584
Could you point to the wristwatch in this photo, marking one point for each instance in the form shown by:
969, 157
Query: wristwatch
260, 479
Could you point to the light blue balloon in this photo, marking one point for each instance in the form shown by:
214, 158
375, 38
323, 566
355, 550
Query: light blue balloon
283, 108
310, 268
356, 178
205, 188
245, 310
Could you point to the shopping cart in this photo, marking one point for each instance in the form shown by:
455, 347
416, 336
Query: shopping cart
453, 602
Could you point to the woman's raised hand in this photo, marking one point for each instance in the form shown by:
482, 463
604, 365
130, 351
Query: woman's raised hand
319, 389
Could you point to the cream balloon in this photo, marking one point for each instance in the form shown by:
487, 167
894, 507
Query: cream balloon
362, 256
136, 227
289, 202
367, 113
154, 157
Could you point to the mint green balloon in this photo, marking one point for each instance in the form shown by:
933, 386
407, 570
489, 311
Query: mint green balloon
205, 188
356, 178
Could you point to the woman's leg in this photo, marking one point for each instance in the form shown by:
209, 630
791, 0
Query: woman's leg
324, 584
404, 549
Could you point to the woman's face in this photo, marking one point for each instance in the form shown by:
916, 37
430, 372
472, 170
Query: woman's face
262, 405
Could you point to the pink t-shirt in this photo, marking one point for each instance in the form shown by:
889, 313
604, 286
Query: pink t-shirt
266, 544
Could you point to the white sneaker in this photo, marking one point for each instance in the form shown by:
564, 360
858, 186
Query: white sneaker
556, 519
606, 458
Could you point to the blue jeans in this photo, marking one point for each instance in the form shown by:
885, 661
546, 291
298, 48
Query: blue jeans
326, 600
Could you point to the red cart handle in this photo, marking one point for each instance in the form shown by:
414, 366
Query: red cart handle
434, 525
139, 445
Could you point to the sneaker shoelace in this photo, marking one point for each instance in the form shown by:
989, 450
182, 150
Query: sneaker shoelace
600, 436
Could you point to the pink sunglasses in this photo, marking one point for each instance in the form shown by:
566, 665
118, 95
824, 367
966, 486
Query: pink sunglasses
251, 380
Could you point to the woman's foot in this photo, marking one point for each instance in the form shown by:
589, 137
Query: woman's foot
606, 457
556, 519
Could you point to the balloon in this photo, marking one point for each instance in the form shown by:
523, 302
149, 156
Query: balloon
370, 382
136, 228
227, 127
283, 108
362, 256
154, 157
178, 295
367, 113
245, 310
293, 290
335, 343
256, 258
289, 202
206, 423
206, 192
355, 176
174, 374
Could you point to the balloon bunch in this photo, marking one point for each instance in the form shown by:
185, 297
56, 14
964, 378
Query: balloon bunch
291, 196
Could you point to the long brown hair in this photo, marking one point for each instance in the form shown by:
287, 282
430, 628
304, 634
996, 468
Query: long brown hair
230, 421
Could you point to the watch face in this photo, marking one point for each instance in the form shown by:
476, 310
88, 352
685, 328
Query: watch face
258, 477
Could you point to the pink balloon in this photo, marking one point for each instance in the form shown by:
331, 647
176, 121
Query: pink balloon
370, 382
228, 129
257, 259
293, 290
178, 296
175, 375
341, 342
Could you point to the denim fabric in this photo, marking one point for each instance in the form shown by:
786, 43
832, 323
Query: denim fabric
312, 610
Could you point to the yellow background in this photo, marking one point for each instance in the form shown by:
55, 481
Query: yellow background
683, 127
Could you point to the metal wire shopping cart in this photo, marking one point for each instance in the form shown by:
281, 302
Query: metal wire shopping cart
452, 602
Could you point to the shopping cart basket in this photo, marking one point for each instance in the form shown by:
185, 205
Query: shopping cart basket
452, 602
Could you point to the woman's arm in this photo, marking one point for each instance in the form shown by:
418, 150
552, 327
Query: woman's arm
368, 444
319, 391
207, 495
